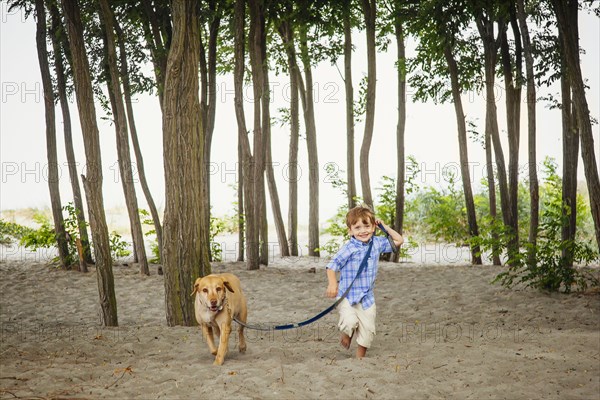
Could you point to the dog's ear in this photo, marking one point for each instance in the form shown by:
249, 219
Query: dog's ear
196, 286
228, 286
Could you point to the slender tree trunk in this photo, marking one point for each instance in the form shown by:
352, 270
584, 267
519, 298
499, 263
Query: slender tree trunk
120, 120
240, 204
308, 106
159, 47
534, 197
255, 40
208, 93
139, 159
185, 249
243, 142
566, 15
490, 45
92, 183
492, 196
369, 11
287, 36
349, 104
51, 151
275, 205
68, 137
513, 117
400, 129
464, 158
570, 139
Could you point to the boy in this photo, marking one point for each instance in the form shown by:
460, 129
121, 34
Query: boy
357, 310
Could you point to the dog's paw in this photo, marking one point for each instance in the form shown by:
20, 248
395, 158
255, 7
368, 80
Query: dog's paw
218, 362
214, 352
242, 348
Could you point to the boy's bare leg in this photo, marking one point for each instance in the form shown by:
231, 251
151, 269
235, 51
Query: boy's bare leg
361, 351
345, 341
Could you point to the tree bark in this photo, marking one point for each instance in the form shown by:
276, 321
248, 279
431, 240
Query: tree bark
139, 159
306, 91
400, 129
464, 158
275, 204
369, 11
247, 180
512, 87
490, 45
159, 40
185, 250
122, 133
350, 159
256, 42
92, 183
566, 15
51, 151
570, 139
58, 29
208, 92
287, 36
534, 197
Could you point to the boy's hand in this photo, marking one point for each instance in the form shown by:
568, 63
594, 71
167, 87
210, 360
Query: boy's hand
332, 290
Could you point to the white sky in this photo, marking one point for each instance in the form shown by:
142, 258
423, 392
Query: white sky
431, 134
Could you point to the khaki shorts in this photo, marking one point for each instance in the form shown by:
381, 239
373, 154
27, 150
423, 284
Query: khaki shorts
355, 320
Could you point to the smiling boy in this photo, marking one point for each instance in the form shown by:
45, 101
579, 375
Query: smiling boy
357, 311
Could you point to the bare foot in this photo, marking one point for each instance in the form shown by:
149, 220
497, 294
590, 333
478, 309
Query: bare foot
345, 341
361, 351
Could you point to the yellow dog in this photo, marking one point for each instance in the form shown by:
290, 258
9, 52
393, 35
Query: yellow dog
219, 299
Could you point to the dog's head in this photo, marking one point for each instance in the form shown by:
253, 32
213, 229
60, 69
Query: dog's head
212, 291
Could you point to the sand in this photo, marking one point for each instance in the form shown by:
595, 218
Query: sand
443, 332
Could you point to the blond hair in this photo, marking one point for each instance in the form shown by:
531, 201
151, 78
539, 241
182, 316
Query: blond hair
360, 213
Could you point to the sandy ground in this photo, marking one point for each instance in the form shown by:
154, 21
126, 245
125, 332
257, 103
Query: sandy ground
443, 332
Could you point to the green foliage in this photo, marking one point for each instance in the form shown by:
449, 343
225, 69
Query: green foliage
217, 226
43, 237
10, 231
546, 265
118, 247
147, 220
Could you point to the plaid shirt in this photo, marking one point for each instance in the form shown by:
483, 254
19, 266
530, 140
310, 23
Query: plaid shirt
347, 260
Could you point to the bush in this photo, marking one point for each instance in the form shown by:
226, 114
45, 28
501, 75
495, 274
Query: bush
545, 266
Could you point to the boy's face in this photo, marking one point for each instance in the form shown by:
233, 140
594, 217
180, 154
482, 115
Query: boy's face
362, 230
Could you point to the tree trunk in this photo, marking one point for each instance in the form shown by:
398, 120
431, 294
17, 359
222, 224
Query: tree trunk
208, 92
308, 106
490, 45
57, 29
185, 250
287, 35
159, 40
512, 88
570, 136
139, 159
349, 104
400, 129
492, 196
247, 179
464, 158
275, 205
51, 152
255, 40
92, 183
566, 15
534, 197
369, 11
120, 120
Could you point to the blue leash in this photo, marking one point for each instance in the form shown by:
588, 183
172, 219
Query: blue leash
320, 315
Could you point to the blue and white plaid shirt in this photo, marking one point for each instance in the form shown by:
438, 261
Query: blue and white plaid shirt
347, 260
